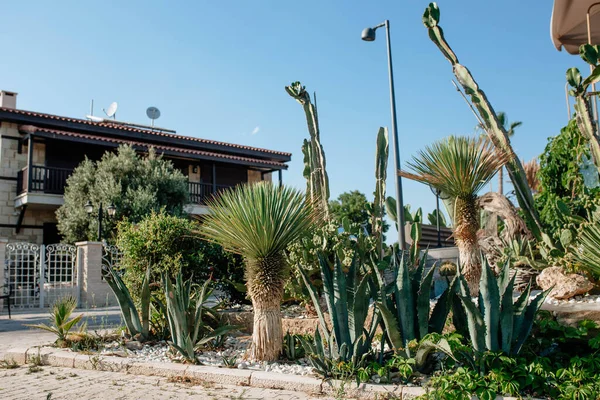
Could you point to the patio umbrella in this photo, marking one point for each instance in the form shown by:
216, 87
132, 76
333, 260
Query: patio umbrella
569, 27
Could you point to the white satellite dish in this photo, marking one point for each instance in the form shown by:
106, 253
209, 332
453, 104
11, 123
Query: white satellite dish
112, 110
153, 113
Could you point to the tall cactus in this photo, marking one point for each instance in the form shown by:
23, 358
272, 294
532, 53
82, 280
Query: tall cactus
381, 161
493, 128
314, 156
583, 116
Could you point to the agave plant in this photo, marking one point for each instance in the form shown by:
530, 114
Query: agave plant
258, 222
138, 323
497, 322
459, 167
185, 312
59, 318
406, 313
348, 293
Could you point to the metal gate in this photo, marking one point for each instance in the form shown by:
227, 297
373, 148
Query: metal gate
38, 275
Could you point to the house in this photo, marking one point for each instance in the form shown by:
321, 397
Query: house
39, 151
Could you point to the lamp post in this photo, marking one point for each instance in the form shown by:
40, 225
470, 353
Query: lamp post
111, 209
437, 192
368, 35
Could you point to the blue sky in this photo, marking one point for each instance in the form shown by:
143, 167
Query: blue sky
217, 70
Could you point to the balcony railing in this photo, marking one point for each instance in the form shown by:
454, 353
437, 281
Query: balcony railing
199, 192
42, 179
53, 181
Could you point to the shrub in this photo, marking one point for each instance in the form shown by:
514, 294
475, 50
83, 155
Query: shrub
168, 244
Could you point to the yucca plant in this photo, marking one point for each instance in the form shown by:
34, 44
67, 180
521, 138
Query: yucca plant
497, 322
60, 324
258, 222
586, 249
406, 313
186, 309
138, 323
459, 167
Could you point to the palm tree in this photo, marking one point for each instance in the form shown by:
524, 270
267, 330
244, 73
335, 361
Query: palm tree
258, 222
510, 130
459, 167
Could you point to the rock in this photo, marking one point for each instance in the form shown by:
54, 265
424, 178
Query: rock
565, 285
133, 345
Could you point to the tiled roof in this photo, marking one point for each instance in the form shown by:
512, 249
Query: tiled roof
132, 129
30, 128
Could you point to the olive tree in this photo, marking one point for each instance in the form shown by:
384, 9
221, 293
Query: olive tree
136, 185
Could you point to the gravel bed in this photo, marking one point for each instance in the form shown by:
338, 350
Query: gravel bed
587, 299
234, 352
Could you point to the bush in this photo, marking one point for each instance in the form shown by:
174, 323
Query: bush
169, 244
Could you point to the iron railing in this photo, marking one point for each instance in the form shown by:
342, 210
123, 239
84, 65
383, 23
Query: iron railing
200, 192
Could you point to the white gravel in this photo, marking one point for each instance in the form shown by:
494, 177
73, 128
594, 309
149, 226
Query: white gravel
235, 350
586, 299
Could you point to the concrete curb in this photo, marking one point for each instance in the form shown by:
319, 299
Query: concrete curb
260, 379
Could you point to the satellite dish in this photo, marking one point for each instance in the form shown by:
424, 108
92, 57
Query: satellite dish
153, 113
112, 109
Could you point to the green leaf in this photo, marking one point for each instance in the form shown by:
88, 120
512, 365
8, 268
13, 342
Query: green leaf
589, 54
574, 77
391, 326
566, 237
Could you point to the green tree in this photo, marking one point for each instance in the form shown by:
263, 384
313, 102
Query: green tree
355, 207
459, 167
259, 222
135, 185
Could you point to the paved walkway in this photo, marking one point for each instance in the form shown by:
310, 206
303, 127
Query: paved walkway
65, 383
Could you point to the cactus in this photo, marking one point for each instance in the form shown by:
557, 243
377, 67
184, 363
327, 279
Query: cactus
496, 323
406, 313
347, 295
314, 156
583, 116
378, 209
486, 113
135, 325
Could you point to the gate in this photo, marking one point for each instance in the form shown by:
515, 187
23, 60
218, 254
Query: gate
38, 275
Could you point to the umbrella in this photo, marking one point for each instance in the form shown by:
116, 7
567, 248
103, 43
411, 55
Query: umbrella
569, 28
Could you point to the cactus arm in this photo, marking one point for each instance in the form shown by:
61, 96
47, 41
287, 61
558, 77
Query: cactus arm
313, 150
494, 129
381, 161
489, 301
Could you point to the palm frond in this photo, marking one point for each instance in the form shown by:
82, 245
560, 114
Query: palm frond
458, 166
257, 220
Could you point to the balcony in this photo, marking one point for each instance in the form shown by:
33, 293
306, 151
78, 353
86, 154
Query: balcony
46, 186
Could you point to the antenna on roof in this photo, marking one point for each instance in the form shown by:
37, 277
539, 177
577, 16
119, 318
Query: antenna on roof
112, 110
153, 113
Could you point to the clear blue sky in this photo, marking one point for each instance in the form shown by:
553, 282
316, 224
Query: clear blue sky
217, 70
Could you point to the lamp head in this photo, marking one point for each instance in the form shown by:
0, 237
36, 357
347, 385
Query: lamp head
368, 34
111, 210
89, 207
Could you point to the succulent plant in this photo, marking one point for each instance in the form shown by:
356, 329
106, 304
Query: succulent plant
496, 322
406, 313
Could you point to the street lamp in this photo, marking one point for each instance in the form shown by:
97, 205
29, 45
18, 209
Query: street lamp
368, 35
111, 209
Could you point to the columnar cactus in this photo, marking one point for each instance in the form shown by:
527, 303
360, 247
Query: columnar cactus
493, 128
314, 156
381, 160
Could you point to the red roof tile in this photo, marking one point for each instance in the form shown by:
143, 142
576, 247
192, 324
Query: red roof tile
30, 128
131, 129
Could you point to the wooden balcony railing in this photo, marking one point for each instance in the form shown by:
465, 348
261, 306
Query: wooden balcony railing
42, 179
53, 181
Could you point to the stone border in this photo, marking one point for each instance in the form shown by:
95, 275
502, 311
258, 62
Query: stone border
227, 376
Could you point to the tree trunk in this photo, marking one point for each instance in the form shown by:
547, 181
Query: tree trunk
266, 278
501, 180
465, 233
